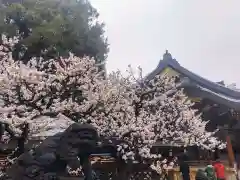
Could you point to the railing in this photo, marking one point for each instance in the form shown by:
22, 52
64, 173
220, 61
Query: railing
200, 163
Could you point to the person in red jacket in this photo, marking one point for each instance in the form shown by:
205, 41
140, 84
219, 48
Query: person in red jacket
220, 170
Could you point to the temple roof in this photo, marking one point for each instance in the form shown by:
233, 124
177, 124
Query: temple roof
210, 90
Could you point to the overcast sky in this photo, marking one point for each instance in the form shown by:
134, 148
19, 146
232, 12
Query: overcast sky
203, 35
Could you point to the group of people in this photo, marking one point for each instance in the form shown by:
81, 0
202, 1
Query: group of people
213, 171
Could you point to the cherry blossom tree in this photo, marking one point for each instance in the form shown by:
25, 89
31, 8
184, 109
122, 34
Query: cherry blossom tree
130, 111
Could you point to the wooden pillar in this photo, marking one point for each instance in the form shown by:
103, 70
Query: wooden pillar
230, 151
86, 166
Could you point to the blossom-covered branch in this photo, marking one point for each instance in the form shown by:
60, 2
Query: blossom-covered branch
126, 109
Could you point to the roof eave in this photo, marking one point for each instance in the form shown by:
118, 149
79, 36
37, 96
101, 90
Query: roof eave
214, 87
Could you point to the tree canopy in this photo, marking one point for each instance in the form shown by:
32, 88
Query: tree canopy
51, 28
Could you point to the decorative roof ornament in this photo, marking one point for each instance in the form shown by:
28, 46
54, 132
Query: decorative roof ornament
167, 56
221, 83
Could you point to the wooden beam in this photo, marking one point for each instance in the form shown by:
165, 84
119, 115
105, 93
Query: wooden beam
230, 151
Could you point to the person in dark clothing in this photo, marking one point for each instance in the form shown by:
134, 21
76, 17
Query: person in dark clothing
184, 168
201, 175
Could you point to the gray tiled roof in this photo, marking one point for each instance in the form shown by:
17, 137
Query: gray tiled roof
211, 90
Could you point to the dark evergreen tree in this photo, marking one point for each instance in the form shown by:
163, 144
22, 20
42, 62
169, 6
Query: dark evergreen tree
51, 28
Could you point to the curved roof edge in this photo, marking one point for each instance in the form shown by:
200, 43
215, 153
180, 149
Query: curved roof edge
168, 61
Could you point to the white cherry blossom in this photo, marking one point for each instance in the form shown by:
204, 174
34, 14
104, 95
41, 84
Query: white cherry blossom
126, 109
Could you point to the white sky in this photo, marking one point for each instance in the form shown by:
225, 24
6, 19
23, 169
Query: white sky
203, 35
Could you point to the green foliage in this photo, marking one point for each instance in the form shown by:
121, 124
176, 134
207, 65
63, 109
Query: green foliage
51, 28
